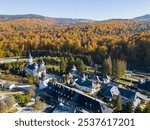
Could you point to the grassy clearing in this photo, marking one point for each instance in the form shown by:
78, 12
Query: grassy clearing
10, 93
124, 82
38, 106
130, 78
89, 70
53, 66
12, 110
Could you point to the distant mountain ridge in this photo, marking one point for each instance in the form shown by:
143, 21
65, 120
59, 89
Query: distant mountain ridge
36, 20
143, 18
13, 17
4, 18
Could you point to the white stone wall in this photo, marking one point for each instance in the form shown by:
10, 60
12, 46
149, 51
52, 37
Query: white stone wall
86, 89
43, 84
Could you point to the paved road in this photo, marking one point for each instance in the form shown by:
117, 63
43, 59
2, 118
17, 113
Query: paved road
28, 108
12, 59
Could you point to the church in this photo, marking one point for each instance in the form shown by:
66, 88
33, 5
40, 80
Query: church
32, 68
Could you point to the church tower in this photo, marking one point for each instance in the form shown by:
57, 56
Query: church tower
30, 60
43, 83
41, 68
74, 68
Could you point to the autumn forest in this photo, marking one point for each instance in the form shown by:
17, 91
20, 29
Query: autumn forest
127, 40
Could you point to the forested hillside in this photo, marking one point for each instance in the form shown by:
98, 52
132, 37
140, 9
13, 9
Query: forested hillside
121, 39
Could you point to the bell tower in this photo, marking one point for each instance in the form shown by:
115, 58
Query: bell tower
30, 60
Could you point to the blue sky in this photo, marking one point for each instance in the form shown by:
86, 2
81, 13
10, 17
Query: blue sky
90, 9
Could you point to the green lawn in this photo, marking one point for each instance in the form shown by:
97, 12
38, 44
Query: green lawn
38, 106
12, 110
52, 66
124, 82
89, 70
9, 93
130, 78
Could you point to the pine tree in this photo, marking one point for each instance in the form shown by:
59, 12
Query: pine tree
119, 68
63, 65
70, 63
88, 60
119, 103
10, 101
114, 67
129, 107
147, 108
80, 64
107, 67
3, 106
138, 109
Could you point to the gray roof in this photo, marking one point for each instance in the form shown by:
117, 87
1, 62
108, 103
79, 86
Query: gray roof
106, 109
127, 93
83, 101
110, 91
131, 95
85, 83
141, 96
61, 108
31, 66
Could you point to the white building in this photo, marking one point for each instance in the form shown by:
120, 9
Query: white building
6, 85
33, 68
43, 83
85, 84
111, 92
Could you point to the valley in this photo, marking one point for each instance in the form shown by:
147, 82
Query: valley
50, 64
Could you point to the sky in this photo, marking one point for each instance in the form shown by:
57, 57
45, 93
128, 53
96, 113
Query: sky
88, 9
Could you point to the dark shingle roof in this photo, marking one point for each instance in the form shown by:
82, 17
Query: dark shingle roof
107, 93
30, 66
110, 91
81, 100
88, 103
127, 93
145, 86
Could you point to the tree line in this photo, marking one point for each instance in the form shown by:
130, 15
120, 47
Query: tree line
115, 68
